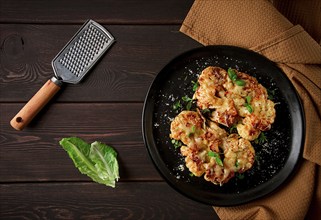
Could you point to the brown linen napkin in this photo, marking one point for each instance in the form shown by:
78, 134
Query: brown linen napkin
257, 25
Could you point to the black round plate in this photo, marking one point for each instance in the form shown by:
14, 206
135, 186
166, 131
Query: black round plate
276, 158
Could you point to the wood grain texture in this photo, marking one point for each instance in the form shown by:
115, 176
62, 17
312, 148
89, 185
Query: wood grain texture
34, 154
103, 11
37, 178
124, 73
95, 201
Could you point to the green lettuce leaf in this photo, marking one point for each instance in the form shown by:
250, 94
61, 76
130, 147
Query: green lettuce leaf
96, 160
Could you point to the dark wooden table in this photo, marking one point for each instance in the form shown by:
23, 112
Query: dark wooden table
37, 178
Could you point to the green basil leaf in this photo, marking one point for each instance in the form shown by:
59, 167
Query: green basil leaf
249, 108
189, 105
240, 82
177, 105
211, 153
261, 139
195, 86
216, 157
248, 99
193, 129
219, 161
232, 74
186, 98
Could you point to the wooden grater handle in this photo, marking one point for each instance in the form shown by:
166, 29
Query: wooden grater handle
35, 104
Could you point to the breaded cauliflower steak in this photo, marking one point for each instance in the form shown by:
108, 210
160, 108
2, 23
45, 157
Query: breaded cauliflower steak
202, 140
246, 106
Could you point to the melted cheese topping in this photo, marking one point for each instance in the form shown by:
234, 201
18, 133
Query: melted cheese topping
207, 148
186, 126
230, 102
202, 140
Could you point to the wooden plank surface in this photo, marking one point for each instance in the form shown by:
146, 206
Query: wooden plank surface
40, 181
89, 121
37, 178
104, 11
93, 201
124, 73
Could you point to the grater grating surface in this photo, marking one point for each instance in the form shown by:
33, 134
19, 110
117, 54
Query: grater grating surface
82, 52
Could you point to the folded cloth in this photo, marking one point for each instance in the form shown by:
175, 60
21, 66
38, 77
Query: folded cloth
258, 26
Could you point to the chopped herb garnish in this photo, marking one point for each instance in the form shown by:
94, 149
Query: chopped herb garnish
233, 128
186, 98
248, 99
189, 105
240, 82
176, 143
195, 85
204, 111
188, 101
193, 128
211, 153
233, 76
219, 161
191, 174
240, 176
237, 163
177, 105
248, 107
216, 157
271, 94
261, 139
248, 104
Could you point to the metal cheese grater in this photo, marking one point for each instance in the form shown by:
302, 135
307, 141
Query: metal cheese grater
81, 52
71, 64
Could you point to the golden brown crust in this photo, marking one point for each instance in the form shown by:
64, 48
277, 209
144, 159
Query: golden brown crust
208, 149
245, 106
201, 140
